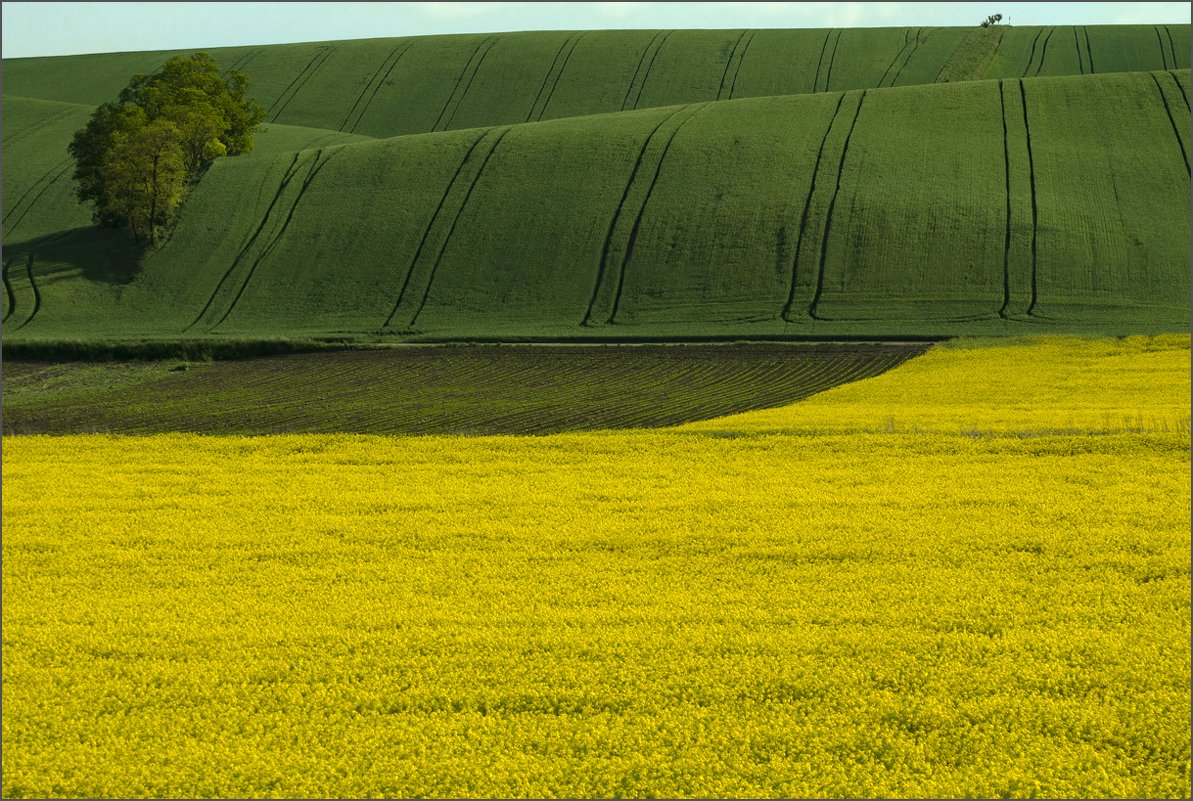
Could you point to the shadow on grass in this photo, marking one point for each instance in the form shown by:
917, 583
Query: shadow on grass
100, 255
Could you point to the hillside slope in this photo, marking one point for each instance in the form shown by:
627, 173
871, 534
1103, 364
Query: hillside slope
390, 87
985, 206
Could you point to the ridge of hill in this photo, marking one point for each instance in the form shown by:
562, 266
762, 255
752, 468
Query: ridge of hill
391, 87
1027, 204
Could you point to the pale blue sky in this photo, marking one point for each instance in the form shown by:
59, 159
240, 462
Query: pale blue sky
46, 29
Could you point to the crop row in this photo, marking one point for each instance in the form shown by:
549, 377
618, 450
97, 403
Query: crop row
473, 390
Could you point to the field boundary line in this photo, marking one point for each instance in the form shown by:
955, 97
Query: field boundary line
488, 46
828, 221
316, 166
1171, 120
650, 66
601, 267
547, 77
729, 63
559, 75
629, 90
459, 212
741, 60
286, 178
629, 251
803, 224
375, 82
431, 224
1035, 209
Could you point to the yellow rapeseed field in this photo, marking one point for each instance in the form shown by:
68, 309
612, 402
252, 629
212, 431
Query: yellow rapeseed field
738, 608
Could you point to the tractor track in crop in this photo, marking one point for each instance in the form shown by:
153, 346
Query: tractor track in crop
312, 172
558, 75
1180, 88
1077, 47
602, 266
803, 222
828, 222
911, 53
295, 86
547, 79
459, 212
895, 59
741, 59
1171, 45
10, 229
8, 291
1160, 43
375, 82
287, 176
828, 76
488, 40
431, 225
820, 60
641, 60
1171, 120
1031, 57
1035, 208
241, 62
36, 292
488, 45
629, 250
1006, 251
649, 67
1044, 51
24, 133
728, 64
1089, 50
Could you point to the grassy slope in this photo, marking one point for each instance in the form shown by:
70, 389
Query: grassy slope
432, 390
717, 223
387, 87
748, 216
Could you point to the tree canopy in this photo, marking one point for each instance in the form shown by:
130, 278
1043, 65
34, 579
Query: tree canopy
137, 155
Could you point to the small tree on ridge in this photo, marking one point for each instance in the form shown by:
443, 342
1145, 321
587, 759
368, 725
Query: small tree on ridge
137, 156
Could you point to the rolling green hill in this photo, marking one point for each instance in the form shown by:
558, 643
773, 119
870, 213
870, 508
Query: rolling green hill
390, 87
918, 202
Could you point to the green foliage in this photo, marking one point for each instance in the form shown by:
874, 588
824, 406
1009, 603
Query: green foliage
993, 19
135, 158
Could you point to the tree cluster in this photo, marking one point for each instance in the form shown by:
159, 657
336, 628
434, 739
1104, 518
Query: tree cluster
138, 156
993, 19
